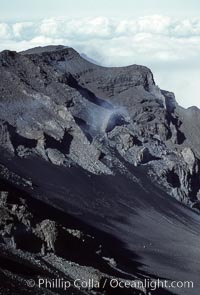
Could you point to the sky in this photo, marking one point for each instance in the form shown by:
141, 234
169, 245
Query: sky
163, 35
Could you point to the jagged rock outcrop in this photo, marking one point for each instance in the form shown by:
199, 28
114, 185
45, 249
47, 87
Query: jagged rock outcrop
61, 107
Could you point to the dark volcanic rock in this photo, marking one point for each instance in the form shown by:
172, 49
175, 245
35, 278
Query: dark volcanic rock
94, 142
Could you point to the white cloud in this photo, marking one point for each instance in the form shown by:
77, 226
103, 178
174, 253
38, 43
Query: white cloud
5, 31
23, 31
170, 47
156, 24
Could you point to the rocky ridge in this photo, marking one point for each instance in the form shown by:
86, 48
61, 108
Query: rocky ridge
71, 112
62, 115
